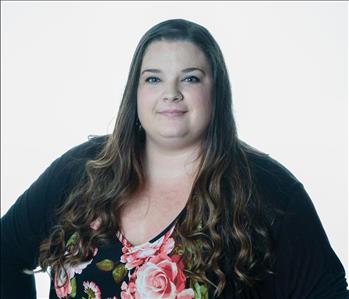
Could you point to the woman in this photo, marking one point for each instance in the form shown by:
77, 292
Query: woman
172, 204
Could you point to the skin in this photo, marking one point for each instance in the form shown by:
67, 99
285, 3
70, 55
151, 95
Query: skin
172, 138
172, 141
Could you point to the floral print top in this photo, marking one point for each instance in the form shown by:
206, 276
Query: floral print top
123, 271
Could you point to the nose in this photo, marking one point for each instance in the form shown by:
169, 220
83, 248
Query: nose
173, 94
178, 97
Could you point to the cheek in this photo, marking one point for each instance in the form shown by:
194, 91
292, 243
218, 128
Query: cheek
145, 100
144, 93
201, 101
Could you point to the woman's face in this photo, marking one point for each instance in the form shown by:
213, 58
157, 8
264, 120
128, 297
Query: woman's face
174, 93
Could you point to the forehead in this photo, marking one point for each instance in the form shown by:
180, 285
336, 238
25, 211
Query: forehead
174, 53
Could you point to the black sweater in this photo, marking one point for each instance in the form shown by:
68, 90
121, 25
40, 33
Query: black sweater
306, 265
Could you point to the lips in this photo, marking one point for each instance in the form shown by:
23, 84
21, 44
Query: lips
172, 112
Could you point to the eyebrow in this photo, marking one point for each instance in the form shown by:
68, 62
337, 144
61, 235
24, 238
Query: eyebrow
186, 70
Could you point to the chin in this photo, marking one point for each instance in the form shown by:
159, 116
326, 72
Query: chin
173, 133
172, 136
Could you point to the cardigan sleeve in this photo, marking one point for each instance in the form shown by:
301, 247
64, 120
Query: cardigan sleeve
30, 218
307, 267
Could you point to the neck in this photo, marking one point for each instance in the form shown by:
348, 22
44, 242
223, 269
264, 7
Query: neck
163, 164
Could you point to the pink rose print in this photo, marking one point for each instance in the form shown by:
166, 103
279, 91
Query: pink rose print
134, 256
64, 290
186, 294
92, 290
128, 290
160, 277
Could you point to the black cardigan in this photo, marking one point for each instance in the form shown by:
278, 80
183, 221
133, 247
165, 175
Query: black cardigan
306, 265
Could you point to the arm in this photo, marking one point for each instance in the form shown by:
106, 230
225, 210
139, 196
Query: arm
29, 220
307, 267
22, 229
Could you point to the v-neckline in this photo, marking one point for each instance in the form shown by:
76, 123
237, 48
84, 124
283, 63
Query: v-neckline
121, 238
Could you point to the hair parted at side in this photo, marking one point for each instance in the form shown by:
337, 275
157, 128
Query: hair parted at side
224, 213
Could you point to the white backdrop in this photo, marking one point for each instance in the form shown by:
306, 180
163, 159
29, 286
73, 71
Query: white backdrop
65, 64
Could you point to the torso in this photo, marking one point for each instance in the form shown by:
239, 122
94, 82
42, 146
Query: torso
150, 211
120, 269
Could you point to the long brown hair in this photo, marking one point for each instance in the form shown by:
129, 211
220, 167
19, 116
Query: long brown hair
222, 229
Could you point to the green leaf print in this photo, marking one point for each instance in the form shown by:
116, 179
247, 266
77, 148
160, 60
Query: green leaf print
73, 287
119, 272
200, 291
105, 265
73, 239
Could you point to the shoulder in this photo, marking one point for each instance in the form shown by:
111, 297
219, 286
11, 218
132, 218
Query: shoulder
300, 240
69, 168
67, 171
268, 172
277, 186
88, 149
82, 152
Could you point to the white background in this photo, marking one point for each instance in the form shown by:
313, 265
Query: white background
65, 64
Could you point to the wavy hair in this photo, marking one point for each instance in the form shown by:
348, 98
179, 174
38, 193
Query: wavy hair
222, 229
